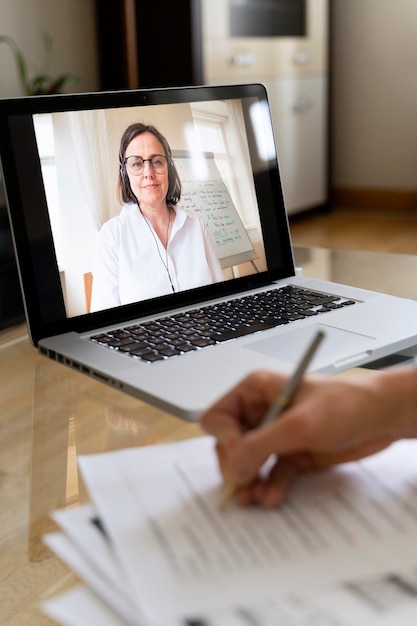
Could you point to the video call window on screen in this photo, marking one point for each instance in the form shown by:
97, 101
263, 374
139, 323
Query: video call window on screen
79, 160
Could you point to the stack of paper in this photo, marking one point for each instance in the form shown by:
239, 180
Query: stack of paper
154, 549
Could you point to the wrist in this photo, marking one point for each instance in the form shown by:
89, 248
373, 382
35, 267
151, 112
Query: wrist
397, 393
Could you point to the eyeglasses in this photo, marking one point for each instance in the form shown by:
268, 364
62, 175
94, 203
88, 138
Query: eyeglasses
135, 164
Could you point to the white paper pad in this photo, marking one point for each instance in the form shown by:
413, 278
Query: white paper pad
344, 540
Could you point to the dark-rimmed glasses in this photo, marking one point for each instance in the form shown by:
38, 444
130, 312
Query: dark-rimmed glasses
135, 164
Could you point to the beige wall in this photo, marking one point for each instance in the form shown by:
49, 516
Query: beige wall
374, 94
72, 24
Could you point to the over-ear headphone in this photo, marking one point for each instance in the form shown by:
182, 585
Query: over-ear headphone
126, 188
123, 172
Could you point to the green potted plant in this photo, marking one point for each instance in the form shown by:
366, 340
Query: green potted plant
43, 82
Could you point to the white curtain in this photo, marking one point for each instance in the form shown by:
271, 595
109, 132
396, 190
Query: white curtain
95, 170
86, 170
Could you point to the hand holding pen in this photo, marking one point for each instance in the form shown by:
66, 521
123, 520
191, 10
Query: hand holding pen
328, 421
275, 409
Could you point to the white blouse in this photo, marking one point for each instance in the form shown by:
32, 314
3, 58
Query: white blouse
131, 264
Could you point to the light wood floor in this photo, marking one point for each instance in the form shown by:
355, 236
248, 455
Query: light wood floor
355, 229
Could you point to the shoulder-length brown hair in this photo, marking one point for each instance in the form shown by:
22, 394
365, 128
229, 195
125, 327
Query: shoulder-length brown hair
124, 191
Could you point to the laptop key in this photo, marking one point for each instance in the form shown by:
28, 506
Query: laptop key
186, 347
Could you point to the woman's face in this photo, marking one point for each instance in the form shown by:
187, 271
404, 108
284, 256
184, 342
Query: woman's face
149, 187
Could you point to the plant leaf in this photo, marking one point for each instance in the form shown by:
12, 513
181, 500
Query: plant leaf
41, 83
20, 60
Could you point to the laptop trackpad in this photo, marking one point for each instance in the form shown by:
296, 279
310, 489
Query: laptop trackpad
338, 344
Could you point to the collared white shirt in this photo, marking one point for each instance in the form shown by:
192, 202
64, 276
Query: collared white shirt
131, 264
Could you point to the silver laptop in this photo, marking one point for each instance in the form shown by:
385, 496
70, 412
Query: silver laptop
178, 347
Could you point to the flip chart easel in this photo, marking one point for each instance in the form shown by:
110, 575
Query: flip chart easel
205, 193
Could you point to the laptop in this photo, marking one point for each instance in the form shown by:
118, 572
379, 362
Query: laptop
60, 163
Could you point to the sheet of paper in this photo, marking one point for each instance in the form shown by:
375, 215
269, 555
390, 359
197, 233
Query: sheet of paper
383, 600
79, 607
160, 508
387, 599
88, 551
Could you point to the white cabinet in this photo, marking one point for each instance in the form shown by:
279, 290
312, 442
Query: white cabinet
299, 115
295, 72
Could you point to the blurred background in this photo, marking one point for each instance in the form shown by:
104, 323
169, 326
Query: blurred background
341, 77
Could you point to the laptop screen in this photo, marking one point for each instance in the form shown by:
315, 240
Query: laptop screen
86, 177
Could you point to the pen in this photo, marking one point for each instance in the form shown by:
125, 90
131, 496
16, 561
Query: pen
282, 400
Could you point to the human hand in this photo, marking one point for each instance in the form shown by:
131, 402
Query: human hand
330, 421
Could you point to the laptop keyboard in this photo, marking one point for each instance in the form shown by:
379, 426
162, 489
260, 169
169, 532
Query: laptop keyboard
199, 328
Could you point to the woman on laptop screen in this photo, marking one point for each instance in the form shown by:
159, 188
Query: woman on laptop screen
152, 248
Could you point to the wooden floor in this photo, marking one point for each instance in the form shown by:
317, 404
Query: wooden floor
356, 229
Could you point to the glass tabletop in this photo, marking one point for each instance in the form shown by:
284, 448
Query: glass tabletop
395, 274
50, 414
